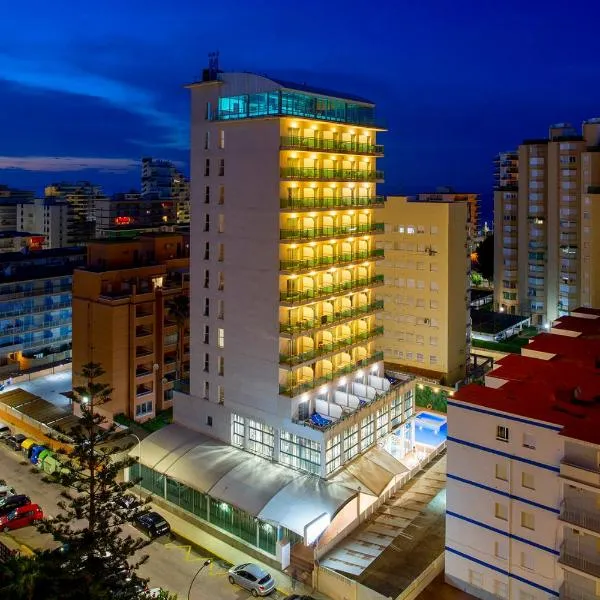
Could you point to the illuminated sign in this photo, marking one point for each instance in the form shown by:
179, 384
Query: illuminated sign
123, 220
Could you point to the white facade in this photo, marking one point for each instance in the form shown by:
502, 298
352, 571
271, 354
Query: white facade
516, 508
46, 217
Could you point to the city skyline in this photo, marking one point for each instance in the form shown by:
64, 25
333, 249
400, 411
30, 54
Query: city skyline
455, 91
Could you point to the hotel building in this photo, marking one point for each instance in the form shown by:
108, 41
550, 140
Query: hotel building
425, 319
121, 320
543, 209
523, 493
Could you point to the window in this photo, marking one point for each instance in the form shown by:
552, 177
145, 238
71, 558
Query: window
206, 390
220, 309
367, 430
207, 167
206, 251
260, 438
209, 421
527, 480
500, 589
221, 167
221, 194
221, 337
206, 307
221, 365
527, 520
221, 280
300, 453
143, 409
221, 223
221, 394
420, 229
206, 278
476, 578
502, 471
206, 334
207, 140
434, 229
527, 561
419, 339
208, 113
222, 139
434, 286
221, 252
528, 441
333, 454
434, 304
207, 222
433, 341
206, 362
500, 550
433, 359
502, 433
237, 430
350, 442
501, 511
410, 230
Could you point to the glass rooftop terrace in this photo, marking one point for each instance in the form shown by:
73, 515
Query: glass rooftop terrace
281, 103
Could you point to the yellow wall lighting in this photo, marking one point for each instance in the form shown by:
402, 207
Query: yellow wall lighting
293, 246
332, 270
312, 215
313, 185
294, 155
313, 244
294, 124
365, 264
350, 240
350, 212
332, 241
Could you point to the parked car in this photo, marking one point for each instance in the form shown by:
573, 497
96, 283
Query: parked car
9, 503
126, 500
5, 489
253, 578
14, 441
4, 431
22, 516
153, 524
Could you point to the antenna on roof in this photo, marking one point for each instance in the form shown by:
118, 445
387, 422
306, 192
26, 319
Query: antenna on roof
211, 73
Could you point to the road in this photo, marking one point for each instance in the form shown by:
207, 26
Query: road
171, 565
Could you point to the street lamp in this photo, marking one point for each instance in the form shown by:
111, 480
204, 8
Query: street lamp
204, 564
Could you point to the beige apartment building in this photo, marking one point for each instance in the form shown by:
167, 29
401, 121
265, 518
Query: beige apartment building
426, 269
121, 319
544, 207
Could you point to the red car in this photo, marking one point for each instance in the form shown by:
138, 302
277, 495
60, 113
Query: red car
21, 517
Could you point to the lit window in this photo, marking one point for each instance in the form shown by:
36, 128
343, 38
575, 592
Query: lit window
221, 394
221, 337
222, 139
221, 223
410, 230
502, 433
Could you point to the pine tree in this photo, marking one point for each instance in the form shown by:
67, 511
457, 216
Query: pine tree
99, 561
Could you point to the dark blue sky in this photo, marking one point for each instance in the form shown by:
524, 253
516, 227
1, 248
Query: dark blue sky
85, 92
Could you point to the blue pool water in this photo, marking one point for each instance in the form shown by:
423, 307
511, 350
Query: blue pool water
430, 429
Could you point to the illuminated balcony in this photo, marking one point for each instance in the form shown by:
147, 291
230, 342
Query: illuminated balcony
295, 386
326, 233
310, 295
312, 174
325, 321
331, 203
324, 349
312, 143
327, 261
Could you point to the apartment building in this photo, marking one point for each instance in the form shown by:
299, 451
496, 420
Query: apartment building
544, 250
20, 241
425, 296
161, 180
473, 202
121, 319
47, 217
9, 200
523, 494
35, 307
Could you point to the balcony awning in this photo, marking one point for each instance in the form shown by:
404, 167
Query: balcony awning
253, 484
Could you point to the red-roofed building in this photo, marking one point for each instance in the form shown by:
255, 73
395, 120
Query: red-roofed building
523, 494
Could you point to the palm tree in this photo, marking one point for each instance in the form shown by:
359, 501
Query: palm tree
178, 308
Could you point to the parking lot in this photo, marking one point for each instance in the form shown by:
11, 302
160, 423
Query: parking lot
172, 563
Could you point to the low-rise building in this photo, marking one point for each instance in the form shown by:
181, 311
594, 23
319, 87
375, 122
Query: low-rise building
49, 218
20, 241
426, 321
523, 493
121, 320
35, 307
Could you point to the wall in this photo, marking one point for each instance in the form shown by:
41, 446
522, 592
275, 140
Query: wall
337, 587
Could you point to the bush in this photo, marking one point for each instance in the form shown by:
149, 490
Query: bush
426, 398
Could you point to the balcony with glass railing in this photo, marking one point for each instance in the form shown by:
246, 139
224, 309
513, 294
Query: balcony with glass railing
325, 349
295, 385
329, 203
312, 294
330, 145
305, 264
314, 174
335, 318
326, 233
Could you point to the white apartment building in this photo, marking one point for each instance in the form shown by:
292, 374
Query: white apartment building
523, 494
47, 217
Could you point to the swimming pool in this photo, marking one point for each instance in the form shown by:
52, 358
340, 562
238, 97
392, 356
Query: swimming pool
430, 429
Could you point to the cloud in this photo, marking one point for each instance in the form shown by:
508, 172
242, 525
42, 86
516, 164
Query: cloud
64, 78
53, 164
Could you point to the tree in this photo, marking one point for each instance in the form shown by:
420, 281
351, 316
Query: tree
476, 278
179, 310
98, 558
485, 258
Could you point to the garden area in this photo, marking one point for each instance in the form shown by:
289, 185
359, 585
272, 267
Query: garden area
158, 422
431, 398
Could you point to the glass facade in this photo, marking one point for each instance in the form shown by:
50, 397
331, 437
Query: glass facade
333, 454
234, 521
350, 442
261, 439
296, 104
300, 453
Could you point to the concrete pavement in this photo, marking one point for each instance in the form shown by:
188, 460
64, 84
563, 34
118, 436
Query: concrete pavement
49, 387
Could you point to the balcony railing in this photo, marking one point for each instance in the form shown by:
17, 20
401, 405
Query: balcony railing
332, 319
295, 387
324, 261
300, 297
329, 203
574, 558
312, 143
580, 516
14, 292
324, 349
328, 232
568, 591
313, 174
182, 385
34, 309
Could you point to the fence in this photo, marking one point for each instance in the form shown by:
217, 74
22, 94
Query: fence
339, 587
423, 580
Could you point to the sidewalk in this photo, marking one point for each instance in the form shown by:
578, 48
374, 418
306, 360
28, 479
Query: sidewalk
201, 538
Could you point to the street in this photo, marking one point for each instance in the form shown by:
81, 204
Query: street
172, 564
